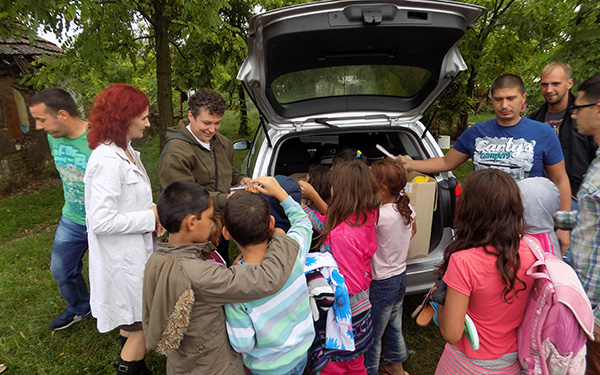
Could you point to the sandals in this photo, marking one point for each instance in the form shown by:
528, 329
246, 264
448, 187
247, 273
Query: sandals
424, 312
426, 315
384, 370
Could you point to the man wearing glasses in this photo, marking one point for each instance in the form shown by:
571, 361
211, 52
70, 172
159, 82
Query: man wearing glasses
579, 150
585, 222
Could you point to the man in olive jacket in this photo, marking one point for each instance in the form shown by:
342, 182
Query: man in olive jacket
195, 151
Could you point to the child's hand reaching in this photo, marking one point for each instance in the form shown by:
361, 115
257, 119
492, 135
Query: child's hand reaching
308, 191
268, 186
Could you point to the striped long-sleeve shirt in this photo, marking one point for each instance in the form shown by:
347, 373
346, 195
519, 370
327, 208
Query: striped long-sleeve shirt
274, 333
585, 239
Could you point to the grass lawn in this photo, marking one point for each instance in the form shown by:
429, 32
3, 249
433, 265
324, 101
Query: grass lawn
30, 299
481, 116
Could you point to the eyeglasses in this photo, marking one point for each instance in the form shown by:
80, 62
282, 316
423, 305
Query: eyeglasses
575, 108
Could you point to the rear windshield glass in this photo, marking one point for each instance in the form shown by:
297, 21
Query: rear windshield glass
378, 80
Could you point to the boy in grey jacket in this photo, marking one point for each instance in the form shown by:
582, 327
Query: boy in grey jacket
184, 293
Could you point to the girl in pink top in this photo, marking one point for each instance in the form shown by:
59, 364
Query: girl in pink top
395, 228
349, 234
484, 268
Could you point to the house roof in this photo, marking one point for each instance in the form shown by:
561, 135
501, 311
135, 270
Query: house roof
19, 52
22, 46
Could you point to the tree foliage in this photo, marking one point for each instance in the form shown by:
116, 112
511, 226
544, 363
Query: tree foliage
171, 46
520, 37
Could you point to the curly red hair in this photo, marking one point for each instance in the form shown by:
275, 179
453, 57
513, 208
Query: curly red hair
112, 112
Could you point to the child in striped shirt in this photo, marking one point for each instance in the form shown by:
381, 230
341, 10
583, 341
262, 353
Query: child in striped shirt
274, 333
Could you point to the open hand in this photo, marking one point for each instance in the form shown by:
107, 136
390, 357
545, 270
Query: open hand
268, 186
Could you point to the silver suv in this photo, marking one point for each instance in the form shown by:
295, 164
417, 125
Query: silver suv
337, 74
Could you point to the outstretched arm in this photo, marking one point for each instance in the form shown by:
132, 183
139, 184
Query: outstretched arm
435, 165
309, 192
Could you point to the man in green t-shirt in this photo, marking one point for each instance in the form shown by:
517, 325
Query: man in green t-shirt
55, 112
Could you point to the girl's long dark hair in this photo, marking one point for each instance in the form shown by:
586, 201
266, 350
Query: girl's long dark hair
491, 216
319, 179
392, 176
355, 192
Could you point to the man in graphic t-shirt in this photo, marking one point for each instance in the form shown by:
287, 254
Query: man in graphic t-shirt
55, 112
516, 145
579, 150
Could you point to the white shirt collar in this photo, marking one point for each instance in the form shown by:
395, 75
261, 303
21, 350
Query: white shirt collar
206, 145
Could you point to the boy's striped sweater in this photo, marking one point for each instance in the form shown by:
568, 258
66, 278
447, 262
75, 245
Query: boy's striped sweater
274, 333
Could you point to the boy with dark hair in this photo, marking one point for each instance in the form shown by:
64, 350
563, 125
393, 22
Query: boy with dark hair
184, 294
272, 333
293, 189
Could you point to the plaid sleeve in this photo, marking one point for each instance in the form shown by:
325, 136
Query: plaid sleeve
566, 219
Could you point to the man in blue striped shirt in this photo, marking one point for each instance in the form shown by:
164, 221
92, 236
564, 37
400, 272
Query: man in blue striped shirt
585, 239
274, 333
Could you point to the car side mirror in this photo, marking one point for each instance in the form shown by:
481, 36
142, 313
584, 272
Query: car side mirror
242, 144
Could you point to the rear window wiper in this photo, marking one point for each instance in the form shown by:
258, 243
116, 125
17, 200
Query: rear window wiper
324, 122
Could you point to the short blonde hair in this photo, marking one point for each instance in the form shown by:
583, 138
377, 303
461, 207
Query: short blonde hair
558, 64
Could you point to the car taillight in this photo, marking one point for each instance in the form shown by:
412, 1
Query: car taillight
458, 200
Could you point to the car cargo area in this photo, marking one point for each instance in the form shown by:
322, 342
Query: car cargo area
295, 154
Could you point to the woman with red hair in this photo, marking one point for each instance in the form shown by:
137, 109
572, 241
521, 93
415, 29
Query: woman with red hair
121, 219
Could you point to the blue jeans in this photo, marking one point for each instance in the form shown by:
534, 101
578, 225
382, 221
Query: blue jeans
70, 244
386, 297
298, 370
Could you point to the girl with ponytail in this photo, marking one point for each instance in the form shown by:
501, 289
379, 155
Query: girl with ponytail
395, 228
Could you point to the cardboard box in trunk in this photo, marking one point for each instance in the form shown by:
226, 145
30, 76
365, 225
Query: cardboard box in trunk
423, 199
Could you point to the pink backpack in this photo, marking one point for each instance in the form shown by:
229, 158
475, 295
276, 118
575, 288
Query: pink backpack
558, 318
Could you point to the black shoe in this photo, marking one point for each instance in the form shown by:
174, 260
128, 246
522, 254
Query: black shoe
65, 320
132, 368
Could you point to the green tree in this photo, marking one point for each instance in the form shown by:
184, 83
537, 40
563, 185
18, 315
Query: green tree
515, 36
114, 31
213, 59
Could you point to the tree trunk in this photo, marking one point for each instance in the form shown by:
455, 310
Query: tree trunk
163, 70
463, 122
243, 130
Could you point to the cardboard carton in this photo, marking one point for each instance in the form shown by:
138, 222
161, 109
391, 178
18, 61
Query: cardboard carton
423, 199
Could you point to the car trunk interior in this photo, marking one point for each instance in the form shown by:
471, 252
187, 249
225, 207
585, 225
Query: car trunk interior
295, 154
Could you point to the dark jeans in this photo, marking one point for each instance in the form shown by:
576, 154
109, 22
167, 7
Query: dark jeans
70, 244
386, 297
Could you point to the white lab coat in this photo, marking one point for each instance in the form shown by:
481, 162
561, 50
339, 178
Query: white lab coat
120, 222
